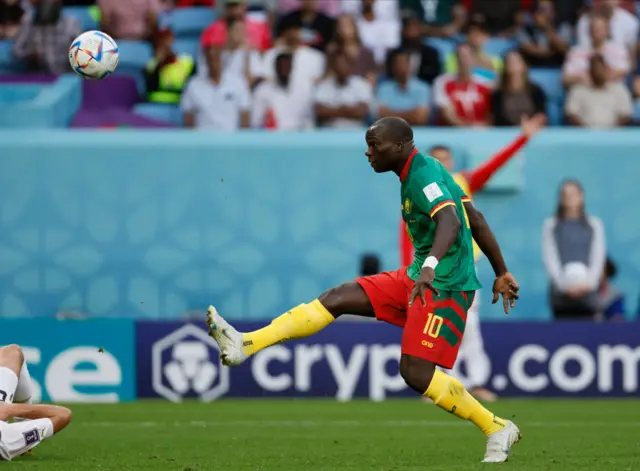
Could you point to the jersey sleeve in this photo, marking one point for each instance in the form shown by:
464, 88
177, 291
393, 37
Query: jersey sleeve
19, 437
432, 195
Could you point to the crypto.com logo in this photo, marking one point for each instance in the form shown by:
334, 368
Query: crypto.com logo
186, 361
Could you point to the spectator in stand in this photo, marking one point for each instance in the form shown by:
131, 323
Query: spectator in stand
309, 64
569, 11
317, 28
11, 12
194, 3
280, 103
543, 41
342, 99
381, 9
576, 67
347, 40
601, 103
425, 60
328, 7
636, 90
219, 102
258, 33
403, 95
498, 15
623, 26
443, 19
133, 19
239, 59
574, 253
463, 99
611, 299
483, 64
377, 33
44, 37
167, 74
516, 96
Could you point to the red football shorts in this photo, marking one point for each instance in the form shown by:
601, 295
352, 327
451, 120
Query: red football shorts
432, 332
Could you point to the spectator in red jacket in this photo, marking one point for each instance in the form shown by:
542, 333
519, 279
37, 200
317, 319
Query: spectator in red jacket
258, 31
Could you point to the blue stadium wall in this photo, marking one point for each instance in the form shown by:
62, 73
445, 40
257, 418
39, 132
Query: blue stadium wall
156, 224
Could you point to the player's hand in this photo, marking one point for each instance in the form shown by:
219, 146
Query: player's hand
423, 284
507, 287
530, 126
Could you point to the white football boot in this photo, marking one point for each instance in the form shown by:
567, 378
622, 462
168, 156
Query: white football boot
229, 340
499, 443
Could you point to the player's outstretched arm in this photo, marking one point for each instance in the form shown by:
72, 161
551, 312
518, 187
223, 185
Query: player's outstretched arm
447, 228
505, 283
59, 416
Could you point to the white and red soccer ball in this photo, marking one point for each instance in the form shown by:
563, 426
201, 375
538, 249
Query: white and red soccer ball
94, 55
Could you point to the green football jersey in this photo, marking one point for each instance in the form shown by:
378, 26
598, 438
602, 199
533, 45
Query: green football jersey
427, 187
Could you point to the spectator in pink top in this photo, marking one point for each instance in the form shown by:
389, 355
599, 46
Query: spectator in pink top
616, 56
257, 31
133, 19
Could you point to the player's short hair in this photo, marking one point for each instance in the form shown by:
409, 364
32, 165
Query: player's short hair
436, 147
396, 129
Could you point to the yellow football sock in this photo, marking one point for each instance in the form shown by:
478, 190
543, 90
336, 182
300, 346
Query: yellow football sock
301, 321
450, 395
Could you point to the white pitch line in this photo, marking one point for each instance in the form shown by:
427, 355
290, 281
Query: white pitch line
343, 423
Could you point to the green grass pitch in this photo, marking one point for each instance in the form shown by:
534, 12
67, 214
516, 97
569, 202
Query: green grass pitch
283, 435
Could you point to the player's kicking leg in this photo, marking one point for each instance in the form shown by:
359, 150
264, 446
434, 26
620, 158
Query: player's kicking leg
301, 321
385, 295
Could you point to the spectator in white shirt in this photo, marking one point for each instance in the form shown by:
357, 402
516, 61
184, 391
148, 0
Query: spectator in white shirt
218, 102
623, 25
380, 34
239, 58
280, 103
382, 9
308, 63
576, 67
601, 103
342, 99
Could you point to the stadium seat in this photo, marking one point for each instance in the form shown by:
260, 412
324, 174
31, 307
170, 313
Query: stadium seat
443, 46
160, 112
6, 56
187, 46
498, 46
190, 22
134, 56
550, 80
84, 17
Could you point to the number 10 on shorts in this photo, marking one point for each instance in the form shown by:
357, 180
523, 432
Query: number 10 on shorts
433, 325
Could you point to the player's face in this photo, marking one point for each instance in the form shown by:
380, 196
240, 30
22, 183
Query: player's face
381, 153
444, 157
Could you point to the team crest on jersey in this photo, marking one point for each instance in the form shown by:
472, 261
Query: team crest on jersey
407, 206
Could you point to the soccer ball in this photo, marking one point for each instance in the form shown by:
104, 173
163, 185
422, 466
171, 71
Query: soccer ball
94, 55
